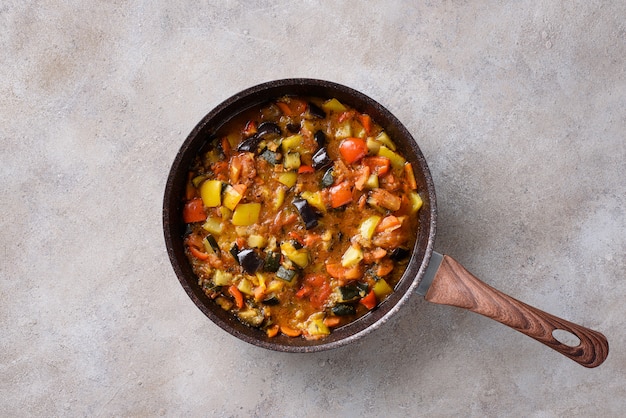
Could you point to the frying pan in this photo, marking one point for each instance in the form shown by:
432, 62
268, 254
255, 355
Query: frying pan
439, 278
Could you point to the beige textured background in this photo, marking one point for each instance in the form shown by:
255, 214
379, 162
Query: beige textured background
520, 108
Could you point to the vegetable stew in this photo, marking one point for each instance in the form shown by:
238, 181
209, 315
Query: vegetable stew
300, 216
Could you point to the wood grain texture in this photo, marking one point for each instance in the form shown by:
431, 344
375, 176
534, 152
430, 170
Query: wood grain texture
455, 286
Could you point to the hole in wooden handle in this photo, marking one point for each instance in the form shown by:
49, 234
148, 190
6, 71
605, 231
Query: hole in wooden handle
566, 338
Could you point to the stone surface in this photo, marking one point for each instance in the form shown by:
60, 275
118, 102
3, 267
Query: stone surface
519, 108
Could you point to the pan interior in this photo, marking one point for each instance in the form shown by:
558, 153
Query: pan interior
205, 130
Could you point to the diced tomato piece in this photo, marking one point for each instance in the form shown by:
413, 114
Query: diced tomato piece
303, 291
193, 211
369, 301
303, 169
378, 165
220, 168
320, 289
340, 194
352, 149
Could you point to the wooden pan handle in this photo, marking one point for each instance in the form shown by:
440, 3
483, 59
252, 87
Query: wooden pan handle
454, 285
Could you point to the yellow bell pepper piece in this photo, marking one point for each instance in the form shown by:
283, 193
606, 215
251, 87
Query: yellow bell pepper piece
333, 105
246, 214
382, 289
288, 178
211, 193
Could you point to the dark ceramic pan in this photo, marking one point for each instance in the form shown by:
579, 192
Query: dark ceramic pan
439, 278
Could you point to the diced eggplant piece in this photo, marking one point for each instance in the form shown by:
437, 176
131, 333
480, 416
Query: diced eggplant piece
234, 250
350, 293
399, 253
343, 309
270, 156
286, 274
271, 301
307, 213
210, 239
272, 261
249, 144
266, 128
328, 179
294, 128
321, 159
314, 111
249, 260
320, 138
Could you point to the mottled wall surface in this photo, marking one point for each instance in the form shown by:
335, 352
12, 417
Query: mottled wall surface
520, 109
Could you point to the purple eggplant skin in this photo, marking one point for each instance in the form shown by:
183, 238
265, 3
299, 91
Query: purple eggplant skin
249, 260
320, 138
321, 159
307, 213
314, 111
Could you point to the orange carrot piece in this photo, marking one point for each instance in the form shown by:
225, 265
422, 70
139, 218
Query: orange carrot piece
410, 176
290, 332
384, 267
340, 272
364, 173
198, 254
298, 106
389, 222
226, 147
240, 188
295, 235
234, 169
220, 168
303, 291
241, 242
236, 294
273, 331
332, 321
366, 121
378, 253
304, 169
259, 293
336, 270
311, 239
284, 107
